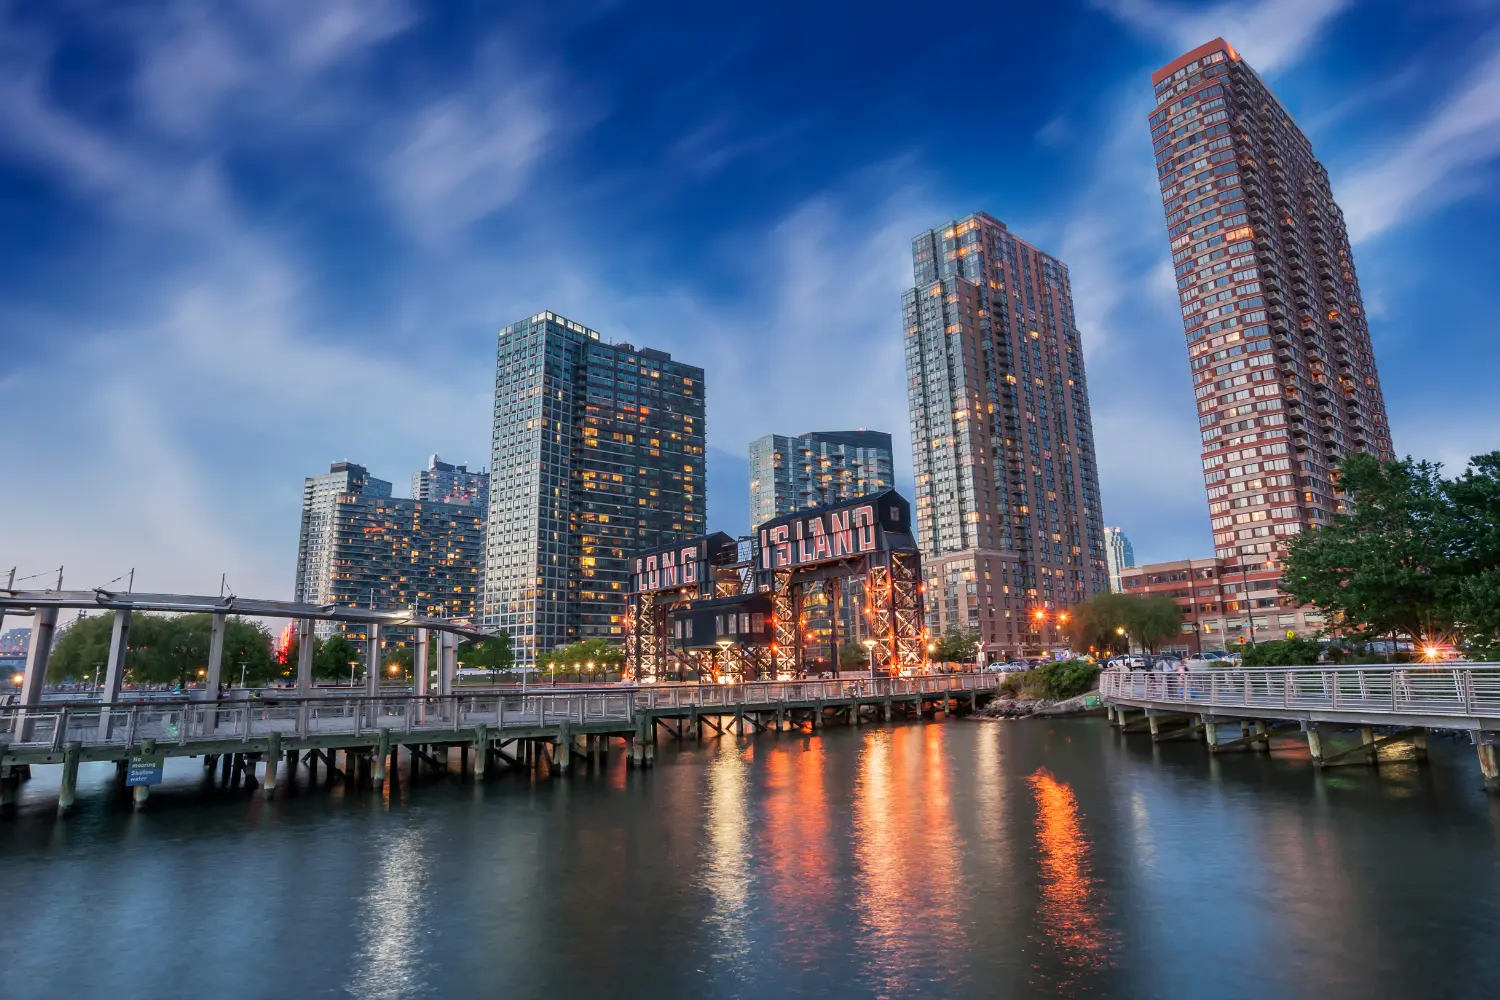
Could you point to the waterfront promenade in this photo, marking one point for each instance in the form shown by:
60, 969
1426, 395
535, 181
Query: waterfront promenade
1234, 709
250, 738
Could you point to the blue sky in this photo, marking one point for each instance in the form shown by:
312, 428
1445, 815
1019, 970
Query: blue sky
245, 238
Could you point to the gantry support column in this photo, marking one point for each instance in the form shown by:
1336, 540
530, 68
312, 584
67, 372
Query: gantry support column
372, 674
43, 625
419, 669
447, 662
304, 669
215, 657
114, 670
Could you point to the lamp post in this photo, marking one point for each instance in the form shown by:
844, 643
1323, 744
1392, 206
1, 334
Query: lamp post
352, 665
1245, 582
869, 645
1120, 631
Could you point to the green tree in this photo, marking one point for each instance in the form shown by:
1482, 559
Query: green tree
1474, 542
493, 653
853, 656
1092, 625
574, 658
957, 646
1296, 652
1387, 563
1152, 621
400, 658
332, 657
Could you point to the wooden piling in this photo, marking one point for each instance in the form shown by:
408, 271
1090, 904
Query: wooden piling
69, 789
273, 757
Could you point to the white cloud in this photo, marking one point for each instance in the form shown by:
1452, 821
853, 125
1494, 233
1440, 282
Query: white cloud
1271, 34
465, 156
1437, 163
199, 62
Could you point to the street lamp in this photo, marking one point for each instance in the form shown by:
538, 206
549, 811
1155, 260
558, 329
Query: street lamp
870, 645
1120, 631
352, 665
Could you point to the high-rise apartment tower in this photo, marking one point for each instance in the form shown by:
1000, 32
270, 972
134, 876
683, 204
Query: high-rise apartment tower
1277, 338
1007, 505
598, 452
1118, 555
360, 547
444, 482
820, 467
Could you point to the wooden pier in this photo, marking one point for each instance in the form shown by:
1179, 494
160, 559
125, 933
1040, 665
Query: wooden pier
249, 739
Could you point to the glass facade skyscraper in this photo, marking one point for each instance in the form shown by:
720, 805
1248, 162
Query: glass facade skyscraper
598, 451
1007, 504
820, 467
1277, 340
1118, 555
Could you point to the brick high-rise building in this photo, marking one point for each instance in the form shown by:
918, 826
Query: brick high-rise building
1276, 335
1007, 504
597, 452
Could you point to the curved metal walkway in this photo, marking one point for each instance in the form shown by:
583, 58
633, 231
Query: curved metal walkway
1408, 699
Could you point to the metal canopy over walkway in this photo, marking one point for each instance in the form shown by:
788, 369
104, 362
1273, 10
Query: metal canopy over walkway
1411, 699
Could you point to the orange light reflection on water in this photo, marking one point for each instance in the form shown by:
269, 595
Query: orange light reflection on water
1070, 910
907, 857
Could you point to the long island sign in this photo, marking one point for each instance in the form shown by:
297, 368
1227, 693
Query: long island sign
838, 531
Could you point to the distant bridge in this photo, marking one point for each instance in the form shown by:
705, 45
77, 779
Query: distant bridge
1402, 701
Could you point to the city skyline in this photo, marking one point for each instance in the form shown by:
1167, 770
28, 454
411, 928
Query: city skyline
163, 386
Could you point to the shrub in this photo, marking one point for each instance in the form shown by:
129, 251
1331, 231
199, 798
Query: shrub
1010, 687
1061, 679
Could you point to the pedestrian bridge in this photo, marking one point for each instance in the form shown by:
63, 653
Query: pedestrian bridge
1404, 701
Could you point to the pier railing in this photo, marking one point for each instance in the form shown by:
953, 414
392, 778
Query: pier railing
126, 724
1470, 690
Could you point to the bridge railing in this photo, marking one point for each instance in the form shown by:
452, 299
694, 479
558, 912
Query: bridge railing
799, 691
1460, 690
181, 722
126, 724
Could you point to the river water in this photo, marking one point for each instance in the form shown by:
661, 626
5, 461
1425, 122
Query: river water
952, 859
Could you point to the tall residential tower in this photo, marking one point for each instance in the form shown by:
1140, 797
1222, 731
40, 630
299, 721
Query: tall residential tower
443, 482
360, 547
820, 467
1118, 555
1002, 442
1280, 352
597, 452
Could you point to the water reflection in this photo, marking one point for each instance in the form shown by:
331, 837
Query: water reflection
1072, 931
392, 915
798, 850
907, 858
726, 874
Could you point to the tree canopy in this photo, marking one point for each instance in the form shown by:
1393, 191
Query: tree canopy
1411, 553
494, 653
853, 656
163, 649
1148, 622
957, 646
596, 651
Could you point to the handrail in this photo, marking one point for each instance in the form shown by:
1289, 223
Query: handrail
47, 727
1470, 690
